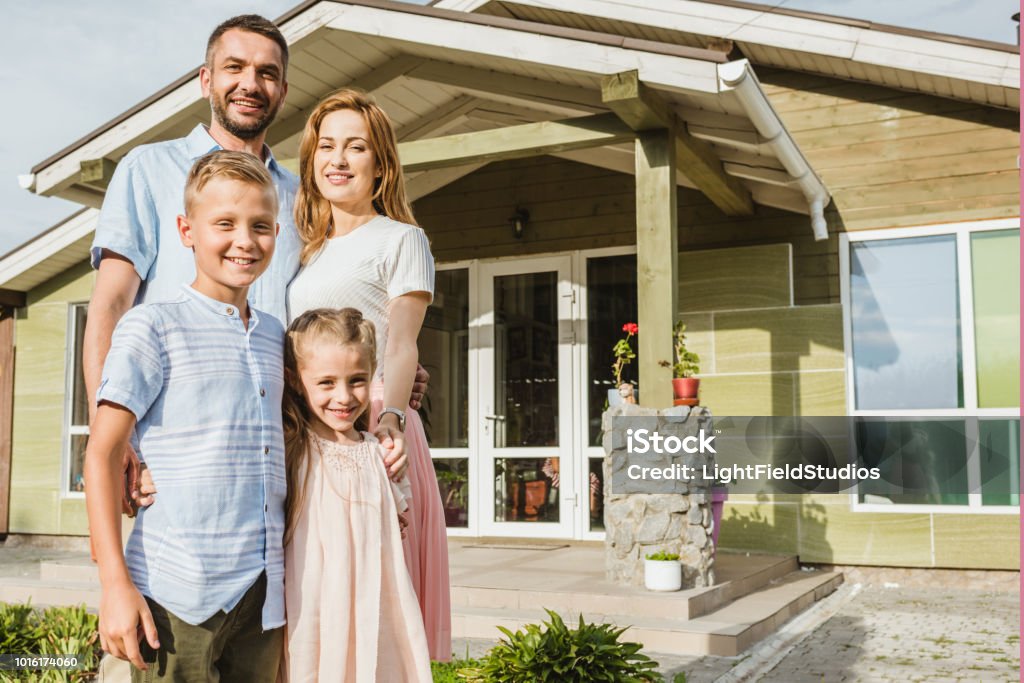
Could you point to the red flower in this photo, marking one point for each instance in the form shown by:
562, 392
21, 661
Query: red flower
630, 328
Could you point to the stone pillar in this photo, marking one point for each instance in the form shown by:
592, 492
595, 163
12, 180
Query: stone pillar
676, 518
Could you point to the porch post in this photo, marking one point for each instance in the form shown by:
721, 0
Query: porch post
6, 413
657, 255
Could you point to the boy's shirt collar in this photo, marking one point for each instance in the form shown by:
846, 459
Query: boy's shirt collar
225, 310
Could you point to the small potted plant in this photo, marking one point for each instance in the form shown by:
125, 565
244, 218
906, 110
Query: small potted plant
684, 384
624, 355
662, 572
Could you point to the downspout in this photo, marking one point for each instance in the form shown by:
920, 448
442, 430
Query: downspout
740, 78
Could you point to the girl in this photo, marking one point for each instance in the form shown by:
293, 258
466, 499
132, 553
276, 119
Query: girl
363, 249
352, 611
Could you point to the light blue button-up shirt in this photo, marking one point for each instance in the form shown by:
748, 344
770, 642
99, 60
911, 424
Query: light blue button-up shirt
206, 394
139, 221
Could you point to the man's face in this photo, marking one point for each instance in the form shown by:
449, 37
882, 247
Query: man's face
245, 83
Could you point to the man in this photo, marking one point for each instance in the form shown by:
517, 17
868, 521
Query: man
136, 250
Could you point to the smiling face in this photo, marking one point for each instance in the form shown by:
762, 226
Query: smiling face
231, 227
335, 381
245, 83
344, 164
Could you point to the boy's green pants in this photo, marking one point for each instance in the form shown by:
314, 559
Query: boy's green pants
229, 646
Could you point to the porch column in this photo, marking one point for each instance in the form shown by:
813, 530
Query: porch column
657, 255
6, 412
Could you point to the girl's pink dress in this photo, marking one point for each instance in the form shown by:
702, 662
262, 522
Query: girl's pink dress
352, 611
426, 538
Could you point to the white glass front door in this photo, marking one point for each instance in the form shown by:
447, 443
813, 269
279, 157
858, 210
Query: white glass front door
526, 464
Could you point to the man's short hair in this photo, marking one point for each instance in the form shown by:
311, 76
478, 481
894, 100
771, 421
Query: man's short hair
240, 166
253, 23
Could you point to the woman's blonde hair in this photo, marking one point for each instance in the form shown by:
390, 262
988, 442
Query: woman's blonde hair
312, 211
345, 327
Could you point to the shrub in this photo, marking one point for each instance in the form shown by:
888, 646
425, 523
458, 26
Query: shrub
54, 631
553, 652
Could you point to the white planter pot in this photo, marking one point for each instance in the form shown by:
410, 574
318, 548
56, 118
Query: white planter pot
663, 575
615, 398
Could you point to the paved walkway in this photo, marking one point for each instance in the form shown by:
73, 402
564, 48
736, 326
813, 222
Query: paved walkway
907, 625
871, 633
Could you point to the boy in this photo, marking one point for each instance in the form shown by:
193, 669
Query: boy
195, 383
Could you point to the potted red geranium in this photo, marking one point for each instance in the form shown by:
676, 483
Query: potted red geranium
684, 384
624, 355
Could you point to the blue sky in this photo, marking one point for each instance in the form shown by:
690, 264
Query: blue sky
68, 66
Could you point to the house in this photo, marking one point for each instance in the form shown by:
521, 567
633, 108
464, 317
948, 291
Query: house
831, 205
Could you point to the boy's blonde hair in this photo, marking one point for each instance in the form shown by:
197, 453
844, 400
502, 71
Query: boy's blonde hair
221, 163
342, 326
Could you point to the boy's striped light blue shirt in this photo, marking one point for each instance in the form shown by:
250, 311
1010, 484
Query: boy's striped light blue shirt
206, 393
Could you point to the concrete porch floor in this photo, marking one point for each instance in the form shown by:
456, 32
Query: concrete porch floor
509, 582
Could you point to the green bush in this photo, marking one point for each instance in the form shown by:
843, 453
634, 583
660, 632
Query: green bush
54, 631
554, 652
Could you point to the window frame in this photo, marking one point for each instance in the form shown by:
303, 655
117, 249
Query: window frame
970, 412
72, 357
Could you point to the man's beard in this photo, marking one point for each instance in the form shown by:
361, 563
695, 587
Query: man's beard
242, 131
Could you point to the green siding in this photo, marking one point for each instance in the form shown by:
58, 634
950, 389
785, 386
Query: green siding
825, 529
995, 260
37, 506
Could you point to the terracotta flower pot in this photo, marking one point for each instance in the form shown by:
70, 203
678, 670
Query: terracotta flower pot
685, 387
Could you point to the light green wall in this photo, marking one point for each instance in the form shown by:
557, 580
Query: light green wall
37, 506
995, 261
761, 356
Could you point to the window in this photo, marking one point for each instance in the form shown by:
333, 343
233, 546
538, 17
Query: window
76, 411
444, 352
932, 318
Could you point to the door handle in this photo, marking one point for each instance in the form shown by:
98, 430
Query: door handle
496, 418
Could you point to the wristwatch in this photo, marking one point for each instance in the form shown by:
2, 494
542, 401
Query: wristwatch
400, 414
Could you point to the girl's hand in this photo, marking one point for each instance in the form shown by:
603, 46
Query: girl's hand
403, 523
396, 460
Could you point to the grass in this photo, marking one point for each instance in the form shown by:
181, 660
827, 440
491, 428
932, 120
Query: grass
447, 672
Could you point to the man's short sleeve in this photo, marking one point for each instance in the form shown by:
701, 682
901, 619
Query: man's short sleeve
128, 222
133, 373
411, 265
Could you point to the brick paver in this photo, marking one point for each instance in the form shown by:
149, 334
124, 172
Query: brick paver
888, 635
911, 634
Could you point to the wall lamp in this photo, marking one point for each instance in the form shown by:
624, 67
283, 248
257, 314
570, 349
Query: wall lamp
519, 220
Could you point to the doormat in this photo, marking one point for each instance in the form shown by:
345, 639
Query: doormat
518, 546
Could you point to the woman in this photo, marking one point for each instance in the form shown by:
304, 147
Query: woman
362, 249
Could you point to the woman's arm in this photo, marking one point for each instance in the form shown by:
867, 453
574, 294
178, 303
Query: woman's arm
405, 318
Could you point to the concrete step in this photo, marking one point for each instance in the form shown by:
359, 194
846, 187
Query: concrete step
735, 582
45, 592
71, 569
727, 631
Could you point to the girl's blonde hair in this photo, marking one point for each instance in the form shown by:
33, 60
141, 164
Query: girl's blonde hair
312, 211
345, 327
